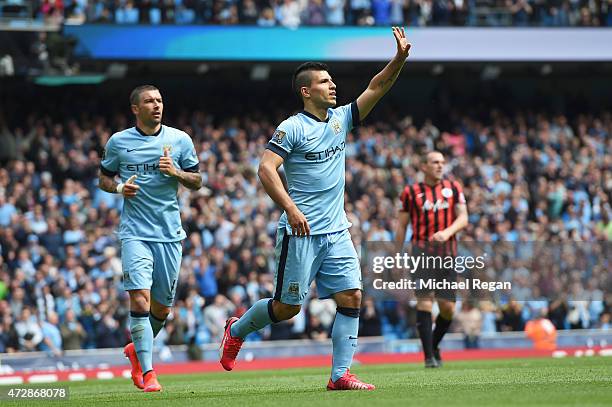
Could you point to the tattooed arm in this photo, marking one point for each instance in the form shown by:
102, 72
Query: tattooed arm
382, 82
107, 184
128, 190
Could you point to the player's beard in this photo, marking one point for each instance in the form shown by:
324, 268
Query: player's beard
151, 120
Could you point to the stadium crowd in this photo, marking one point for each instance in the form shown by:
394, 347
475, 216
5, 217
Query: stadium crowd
527, 177
293, 13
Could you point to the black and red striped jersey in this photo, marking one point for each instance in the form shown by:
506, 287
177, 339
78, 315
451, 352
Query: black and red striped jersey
431, 208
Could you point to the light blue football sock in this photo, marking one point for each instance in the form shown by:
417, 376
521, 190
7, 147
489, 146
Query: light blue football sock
156, 324
344, 340
257, 317
142, 336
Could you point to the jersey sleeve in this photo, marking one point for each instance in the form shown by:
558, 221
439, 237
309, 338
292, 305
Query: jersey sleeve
284, 139
458, 193
349, 115
189, 158
406, 200
109, 165
354, 115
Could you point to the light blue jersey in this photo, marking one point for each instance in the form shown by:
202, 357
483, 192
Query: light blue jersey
153, 214
314, 154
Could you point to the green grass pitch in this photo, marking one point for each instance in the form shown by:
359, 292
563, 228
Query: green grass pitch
580, 382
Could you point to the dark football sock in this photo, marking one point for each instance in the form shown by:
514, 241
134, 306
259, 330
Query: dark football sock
424, 327
442, 325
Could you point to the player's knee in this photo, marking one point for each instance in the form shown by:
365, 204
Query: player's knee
161, 314
447, 310
424, 305
160, 311
139, 302
283, 312
354, 298
349, 299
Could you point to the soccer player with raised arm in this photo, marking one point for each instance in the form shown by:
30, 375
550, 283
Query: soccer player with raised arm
437, 210
313, 241
151, 159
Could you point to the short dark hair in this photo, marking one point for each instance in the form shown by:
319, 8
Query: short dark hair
135, 95
302, 76
425, 155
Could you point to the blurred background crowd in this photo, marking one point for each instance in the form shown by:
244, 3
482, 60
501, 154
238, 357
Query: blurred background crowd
527, 176
293, 13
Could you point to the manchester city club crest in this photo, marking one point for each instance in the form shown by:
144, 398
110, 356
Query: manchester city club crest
167, 147
294, 289
336, 126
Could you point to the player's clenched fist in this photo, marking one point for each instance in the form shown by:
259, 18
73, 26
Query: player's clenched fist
440, 236
298, 222
129, 189
166, 165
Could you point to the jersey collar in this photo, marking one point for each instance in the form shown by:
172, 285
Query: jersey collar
142, 133
313, 117
434, 185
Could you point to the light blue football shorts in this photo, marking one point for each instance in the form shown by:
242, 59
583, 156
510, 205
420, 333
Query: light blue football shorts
329, 259
152, 266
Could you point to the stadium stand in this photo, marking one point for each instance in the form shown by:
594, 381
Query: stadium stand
293, 13
527, 175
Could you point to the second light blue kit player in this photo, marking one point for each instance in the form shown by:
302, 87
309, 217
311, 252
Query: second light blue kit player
151, 159
313, 241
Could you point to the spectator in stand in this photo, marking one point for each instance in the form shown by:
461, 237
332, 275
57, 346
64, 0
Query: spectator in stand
315, 13
108, 332
542, 178
558, 13
511, 318
215, 316
52, 339
9, 338
335, 12
469, 320
369, 319
521, 12
174, 332
359, 10
267, 18
605, 321
288, 13
28, 331
323, 310
381, 11
73, 333
316, 330
248, 13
